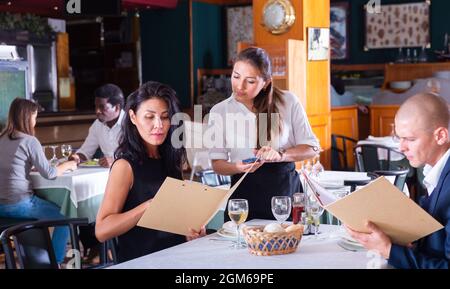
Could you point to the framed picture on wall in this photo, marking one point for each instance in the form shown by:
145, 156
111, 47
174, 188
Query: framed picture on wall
339, 32
398, 25
318, 43
239, 29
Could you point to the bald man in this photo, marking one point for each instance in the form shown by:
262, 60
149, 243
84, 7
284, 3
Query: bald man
422, 127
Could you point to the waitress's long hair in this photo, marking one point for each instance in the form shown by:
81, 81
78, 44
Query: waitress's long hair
269, 99
131, 144
19, 118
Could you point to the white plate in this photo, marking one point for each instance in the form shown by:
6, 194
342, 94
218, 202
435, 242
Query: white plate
84, 165
345, 237
351, 246
226, 234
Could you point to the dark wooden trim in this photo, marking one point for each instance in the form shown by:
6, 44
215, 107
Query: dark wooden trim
226, 2
357, 67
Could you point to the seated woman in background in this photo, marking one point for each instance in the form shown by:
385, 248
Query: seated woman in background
20, 152
144, 158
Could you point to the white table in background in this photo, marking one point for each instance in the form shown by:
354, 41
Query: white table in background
78, 193
332, 180
210, 253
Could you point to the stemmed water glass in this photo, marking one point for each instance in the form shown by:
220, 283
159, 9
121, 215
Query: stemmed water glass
281, 207
339, 195
238, 212
66, 150
54, 160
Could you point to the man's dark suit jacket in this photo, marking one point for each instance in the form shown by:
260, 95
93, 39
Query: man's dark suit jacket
432, 251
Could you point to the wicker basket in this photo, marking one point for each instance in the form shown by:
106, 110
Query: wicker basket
265, 244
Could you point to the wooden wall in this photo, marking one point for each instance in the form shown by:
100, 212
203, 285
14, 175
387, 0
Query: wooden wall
313, 87
344, 121
262, 36
68, 129
382, 119
66, 100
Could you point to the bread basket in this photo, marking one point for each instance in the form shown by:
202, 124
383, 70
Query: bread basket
265, 244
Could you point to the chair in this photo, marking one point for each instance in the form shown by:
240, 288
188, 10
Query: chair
373, 157
5, 223
224, 180
339, 158
33, 244
105, 259
209, 177
400, 177
354, 183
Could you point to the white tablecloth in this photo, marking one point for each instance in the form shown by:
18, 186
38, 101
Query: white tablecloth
84, 183
211, 252
332, 180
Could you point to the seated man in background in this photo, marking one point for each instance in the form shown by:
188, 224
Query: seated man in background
105, 132
422, 126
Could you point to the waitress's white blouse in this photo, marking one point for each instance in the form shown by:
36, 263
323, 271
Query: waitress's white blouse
233, 128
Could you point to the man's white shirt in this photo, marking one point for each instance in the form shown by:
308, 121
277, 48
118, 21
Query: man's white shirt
432, 174
101, 135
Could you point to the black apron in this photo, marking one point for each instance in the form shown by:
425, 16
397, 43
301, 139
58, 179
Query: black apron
271, 179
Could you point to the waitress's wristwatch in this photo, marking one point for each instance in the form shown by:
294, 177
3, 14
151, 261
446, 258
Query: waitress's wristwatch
316, 149
282, 152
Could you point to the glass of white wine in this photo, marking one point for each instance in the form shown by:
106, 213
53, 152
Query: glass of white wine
66, 151
238, 212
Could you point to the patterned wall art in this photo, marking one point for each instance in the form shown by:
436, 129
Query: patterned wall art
399, 25
239, 28
339, 30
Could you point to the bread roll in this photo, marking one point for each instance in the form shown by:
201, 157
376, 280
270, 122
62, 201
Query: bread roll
273, 228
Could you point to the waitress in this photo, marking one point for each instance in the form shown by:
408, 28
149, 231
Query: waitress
260, 120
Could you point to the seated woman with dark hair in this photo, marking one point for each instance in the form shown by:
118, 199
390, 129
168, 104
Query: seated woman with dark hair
144, 158
21, 151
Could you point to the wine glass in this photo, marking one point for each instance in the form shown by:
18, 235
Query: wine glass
339, 195
238, 212
54, 160
315, 210
317, 168
308, 167
66, 151
281, 207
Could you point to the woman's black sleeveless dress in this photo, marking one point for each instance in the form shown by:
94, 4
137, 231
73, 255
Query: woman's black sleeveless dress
148, 178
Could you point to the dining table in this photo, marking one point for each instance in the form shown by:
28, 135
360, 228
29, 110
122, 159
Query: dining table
78, 193
327, 250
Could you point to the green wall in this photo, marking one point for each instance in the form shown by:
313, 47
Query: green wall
165, 44
439, 25
165, 48
209, 37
